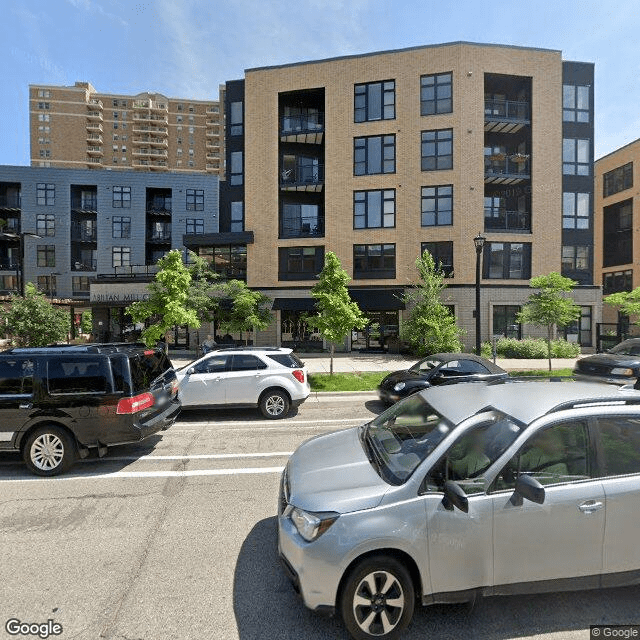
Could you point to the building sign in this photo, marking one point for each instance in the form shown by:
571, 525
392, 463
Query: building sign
118, 293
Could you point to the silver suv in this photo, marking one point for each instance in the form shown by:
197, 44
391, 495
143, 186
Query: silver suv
456, 492
271, 378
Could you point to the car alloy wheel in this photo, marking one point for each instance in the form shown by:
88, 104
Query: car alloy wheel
378, 603
49, 450
274, 405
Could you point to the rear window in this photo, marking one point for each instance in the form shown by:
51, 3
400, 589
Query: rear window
72, 375
146, 367
287, 360
16, 376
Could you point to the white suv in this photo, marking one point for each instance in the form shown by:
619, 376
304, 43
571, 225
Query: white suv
271, 378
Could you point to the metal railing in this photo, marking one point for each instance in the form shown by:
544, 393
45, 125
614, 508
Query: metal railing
159, 235
159, 205
83, 265
84, 204
302, 227
80, 233
506, 166
132, 272
502, 220
302, 175
11, 201
506, 110
312, 122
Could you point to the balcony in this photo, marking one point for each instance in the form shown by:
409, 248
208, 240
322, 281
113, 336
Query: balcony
94, 116
303, 128
82, 233
85, 204
212, 134
159, 165
132, 272
506, 116
213, 145
213, 167
502, 221
93, 150
94, 103
11, 201
146, 152
10, 226
94, 162
149, 117
94, 138
307, 177
159, 234
139, 128
86, 265
503, 169
159, 206
302, 227
94, 126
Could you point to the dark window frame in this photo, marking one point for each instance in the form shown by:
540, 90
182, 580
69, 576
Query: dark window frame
45, 194
505, 312
194, 226
121, 227
571, 109
442, 253
363, 92
46, 225
571, 163
364, 264
439, 102
437, 197
508, 253
118, 255
571, 206
617, 227
617, 180
236, 223
615, 281
236, 178
121, 197
436, 137
194, 200
362, 200
570, 255
300, 262
363, 144
46, 255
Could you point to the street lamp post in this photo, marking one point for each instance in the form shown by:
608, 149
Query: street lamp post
479, 243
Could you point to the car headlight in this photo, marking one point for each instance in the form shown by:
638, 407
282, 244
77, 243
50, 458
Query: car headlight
400, 386
312, 525
621, 371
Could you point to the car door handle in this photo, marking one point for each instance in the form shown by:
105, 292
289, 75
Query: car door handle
590, 506
27, 405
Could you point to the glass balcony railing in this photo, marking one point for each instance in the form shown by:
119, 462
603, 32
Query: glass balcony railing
502, 110
312, 122
301, 175
85, 204
508, 166
159, 205
81, 233
10, 201
502, 220
302, 227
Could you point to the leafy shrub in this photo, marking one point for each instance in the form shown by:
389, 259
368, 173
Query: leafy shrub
531, 348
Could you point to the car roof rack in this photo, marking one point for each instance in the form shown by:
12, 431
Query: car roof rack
605, 401
247, 349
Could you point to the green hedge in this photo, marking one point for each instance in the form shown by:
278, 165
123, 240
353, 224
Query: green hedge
531, 348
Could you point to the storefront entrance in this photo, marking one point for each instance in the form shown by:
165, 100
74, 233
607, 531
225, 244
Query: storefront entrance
377, 336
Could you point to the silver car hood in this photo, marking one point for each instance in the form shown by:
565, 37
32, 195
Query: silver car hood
332, 473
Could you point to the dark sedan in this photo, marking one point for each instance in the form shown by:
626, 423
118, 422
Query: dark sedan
437, 369
620, 365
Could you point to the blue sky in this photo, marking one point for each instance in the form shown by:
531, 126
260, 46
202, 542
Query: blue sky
188, 47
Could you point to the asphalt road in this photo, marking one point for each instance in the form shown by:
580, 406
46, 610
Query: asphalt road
175, 539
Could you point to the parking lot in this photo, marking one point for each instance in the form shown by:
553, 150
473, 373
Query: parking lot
175, 538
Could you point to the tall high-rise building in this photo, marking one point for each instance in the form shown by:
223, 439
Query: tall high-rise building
79, 127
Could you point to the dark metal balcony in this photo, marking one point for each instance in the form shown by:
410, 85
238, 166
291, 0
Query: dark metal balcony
84, 265
506, 116
12, 201
159, 206
12, 225
159, 235
131, 272
501, 169
85, 204
80, 233
302, 178
302, 227
502, 221
305, 128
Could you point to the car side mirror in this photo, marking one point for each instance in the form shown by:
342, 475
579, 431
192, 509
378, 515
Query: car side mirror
527, 487
190, 370
454, 496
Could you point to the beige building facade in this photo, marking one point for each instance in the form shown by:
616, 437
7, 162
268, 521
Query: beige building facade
79, 127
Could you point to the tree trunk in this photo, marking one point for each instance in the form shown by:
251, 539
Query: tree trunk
549, 334
166, 342
332, 348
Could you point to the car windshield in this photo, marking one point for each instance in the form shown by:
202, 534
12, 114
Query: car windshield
626, 349
403, 436
425, 365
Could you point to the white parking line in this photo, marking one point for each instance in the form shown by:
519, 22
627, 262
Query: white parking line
283, 423
199, 456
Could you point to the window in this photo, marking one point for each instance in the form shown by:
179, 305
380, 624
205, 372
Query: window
616, 281
374, 101
301, 220
617, 180
437, 149
121, 197
580, 331
120, 256
16, 376
374, 209
121, 227
554, 455
618, 234
300, 263
576, 157
575, 258
214, 364
80, 285
43, 105
442, 254
435, 94
47, 285
575, 103
45, 224
236, 119
236, 168
45, 153
246, 362
374, 261
46, 255
507, 260
195, 200
374, 154
8, 283
80, 375
505, 321
575, 210
229, 261
194, 226
45, 194
43, 117
437, 206
44, 93
620, 438
237, 216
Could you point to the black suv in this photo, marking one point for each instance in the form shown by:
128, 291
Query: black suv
56, 402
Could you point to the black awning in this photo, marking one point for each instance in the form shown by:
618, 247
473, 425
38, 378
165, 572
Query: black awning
293, 304
378, 299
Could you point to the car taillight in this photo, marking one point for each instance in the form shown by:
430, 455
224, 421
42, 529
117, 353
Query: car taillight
298, 374
135, 404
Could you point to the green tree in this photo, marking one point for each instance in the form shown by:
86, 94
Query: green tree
205, 284
168, 304
337, 313
86, 322
248, 311
430, 327
33, 321
627, 302
549, 307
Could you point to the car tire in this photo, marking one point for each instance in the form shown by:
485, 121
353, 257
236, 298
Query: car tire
274, 404
378, 599
49, 451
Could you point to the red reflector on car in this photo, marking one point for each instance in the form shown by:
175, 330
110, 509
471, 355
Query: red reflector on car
298, 374
135, 404
149, 352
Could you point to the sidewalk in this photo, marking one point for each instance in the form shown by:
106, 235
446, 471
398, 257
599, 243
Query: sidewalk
351, 363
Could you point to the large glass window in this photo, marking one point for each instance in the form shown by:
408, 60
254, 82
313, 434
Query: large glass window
373, 209
236, 173
620, 437
120, 256
435, 94
301, 220
80, 285
442, 254
616, 281
46, 255
45, 224
437, 149
237, 216
575, 103
45, 194
300, 263
195, 199
374, 101
121, 197
576, 157
374, 154
505, 321
507, 260
121, 227
236, 119
618, 234
194, 226
617, 180
437, 206
575, 210
575, 258
374, 261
